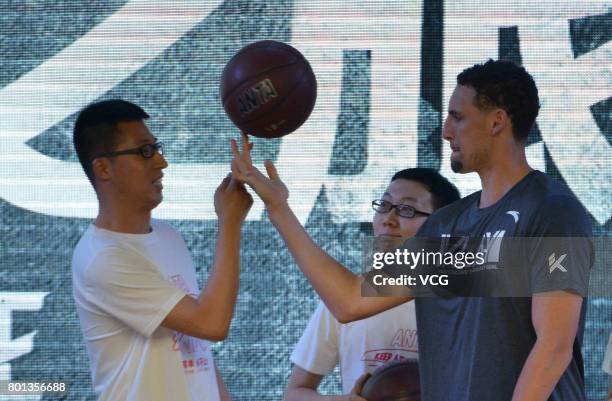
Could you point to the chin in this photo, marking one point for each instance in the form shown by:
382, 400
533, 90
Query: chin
457, 166
156, 201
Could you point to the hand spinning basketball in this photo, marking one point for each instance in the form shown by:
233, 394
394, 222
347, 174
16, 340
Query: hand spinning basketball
272, 190
268, 89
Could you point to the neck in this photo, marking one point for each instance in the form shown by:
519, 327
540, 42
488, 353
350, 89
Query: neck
504, 173
123, 220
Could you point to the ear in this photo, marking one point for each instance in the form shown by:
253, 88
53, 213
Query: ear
499, 121
102, 169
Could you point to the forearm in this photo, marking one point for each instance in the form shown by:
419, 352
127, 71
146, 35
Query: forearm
308, 394
339, 288
219, 295
541, 372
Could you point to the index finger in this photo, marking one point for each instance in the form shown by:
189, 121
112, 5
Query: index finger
246, 148
239, 167
235, 150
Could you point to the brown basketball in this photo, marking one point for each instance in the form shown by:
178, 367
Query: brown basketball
395, 381
268, 89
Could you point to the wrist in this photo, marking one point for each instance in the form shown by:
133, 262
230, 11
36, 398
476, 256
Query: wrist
230, 223
278, 211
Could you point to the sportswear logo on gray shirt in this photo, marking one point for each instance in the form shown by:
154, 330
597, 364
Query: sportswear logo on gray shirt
556, 264
514, 214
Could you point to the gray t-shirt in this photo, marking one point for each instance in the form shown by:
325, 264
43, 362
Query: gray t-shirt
474, 348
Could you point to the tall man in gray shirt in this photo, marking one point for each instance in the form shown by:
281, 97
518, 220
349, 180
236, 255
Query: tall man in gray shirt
478, 349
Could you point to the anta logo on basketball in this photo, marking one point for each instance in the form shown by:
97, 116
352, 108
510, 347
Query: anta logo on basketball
256, 96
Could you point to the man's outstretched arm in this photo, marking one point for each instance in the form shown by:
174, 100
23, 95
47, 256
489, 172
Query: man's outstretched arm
337, 286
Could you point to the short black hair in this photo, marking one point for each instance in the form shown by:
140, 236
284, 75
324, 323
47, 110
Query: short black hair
508, 86
443, 192
95, 130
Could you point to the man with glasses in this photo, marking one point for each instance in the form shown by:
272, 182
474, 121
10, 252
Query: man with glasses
144, 320
361, 346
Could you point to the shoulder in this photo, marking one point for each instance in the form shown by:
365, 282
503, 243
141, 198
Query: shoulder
121, 270
97, 247
541, 185
555, 209
101, 264
110, 257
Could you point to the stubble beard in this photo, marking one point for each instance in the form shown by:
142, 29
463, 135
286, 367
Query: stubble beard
476, 160
456, 166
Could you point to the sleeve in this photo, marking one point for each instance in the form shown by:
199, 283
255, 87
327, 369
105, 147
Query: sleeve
607, 362
130, 288
317, 351
560, 247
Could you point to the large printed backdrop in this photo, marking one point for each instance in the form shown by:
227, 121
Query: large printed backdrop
385, 71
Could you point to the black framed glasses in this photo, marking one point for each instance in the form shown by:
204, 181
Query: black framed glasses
147, 151
407, 211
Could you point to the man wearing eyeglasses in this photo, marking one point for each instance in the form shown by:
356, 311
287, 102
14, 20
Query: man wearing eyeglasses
361, 346
145, 322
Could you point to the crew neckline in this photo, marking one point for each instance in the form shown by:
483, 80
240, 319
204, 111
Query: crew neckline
501, 200
128, 236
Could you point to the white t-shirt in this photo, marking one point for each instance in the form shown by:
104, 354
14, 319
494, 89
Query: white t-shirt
124, 286
359, 346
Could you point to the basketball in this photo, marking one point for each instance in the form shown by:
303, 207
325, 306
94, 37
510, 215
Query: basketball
395, 381
268, 89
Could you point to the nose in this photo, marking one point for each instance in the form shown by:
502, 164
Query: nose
391, 218
160, 160
447, 130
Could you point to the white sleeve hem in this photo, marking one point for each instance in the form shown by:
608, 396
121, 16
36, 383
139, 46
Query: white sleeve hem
317, 349
163, 312
312, 367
